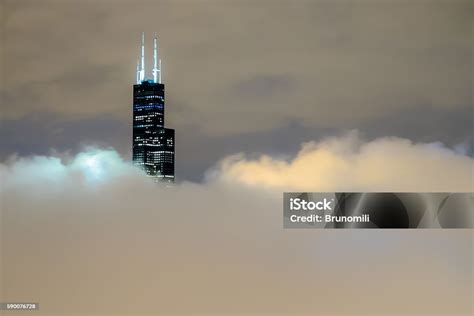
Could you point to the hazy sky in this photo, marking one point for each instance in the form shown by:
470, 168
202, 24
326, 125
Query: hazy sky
258, 76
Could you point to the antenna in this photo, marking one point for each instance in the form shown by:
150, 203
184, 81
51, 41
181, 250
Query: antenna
160, 70
156, 61
142, 72
155, 57
138, 71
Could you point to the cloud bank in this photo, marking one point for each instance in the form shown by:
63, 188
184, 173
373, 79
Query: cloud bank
350, 164
89, 235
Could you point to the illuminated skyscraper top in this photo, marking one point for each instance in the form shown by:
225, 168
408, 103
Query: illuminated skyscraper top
153, 144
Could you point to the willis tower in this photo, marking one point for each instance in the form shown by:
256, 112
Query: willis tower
153, 144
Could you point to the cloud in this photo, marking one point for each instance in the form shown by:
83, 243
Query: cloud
350, 164
90, 235
314, 62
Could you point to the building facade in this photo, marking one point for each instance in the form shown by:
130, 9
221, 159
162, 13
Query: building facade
153, 144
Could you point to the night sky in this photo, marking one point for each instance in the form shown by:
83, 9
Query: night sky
253, 77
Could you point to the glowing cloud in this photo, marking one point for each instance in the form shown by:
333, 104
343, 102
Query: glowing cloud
348, 163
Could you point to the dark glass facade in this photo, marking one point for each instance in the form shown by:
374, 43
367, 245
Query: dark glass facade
153, 144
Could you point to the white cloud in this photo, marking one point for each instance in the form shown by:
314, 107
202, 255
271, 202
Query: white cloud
90, 235
350, 164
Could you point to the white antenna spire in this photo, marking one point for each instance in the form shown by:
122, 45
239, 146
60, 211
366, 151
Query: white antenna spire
156, 61
142, 72
138, 71
155, 57
159, 70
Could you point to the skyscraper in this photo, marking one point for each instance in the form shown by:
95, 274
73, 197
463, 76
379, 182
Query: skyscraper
153, 144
